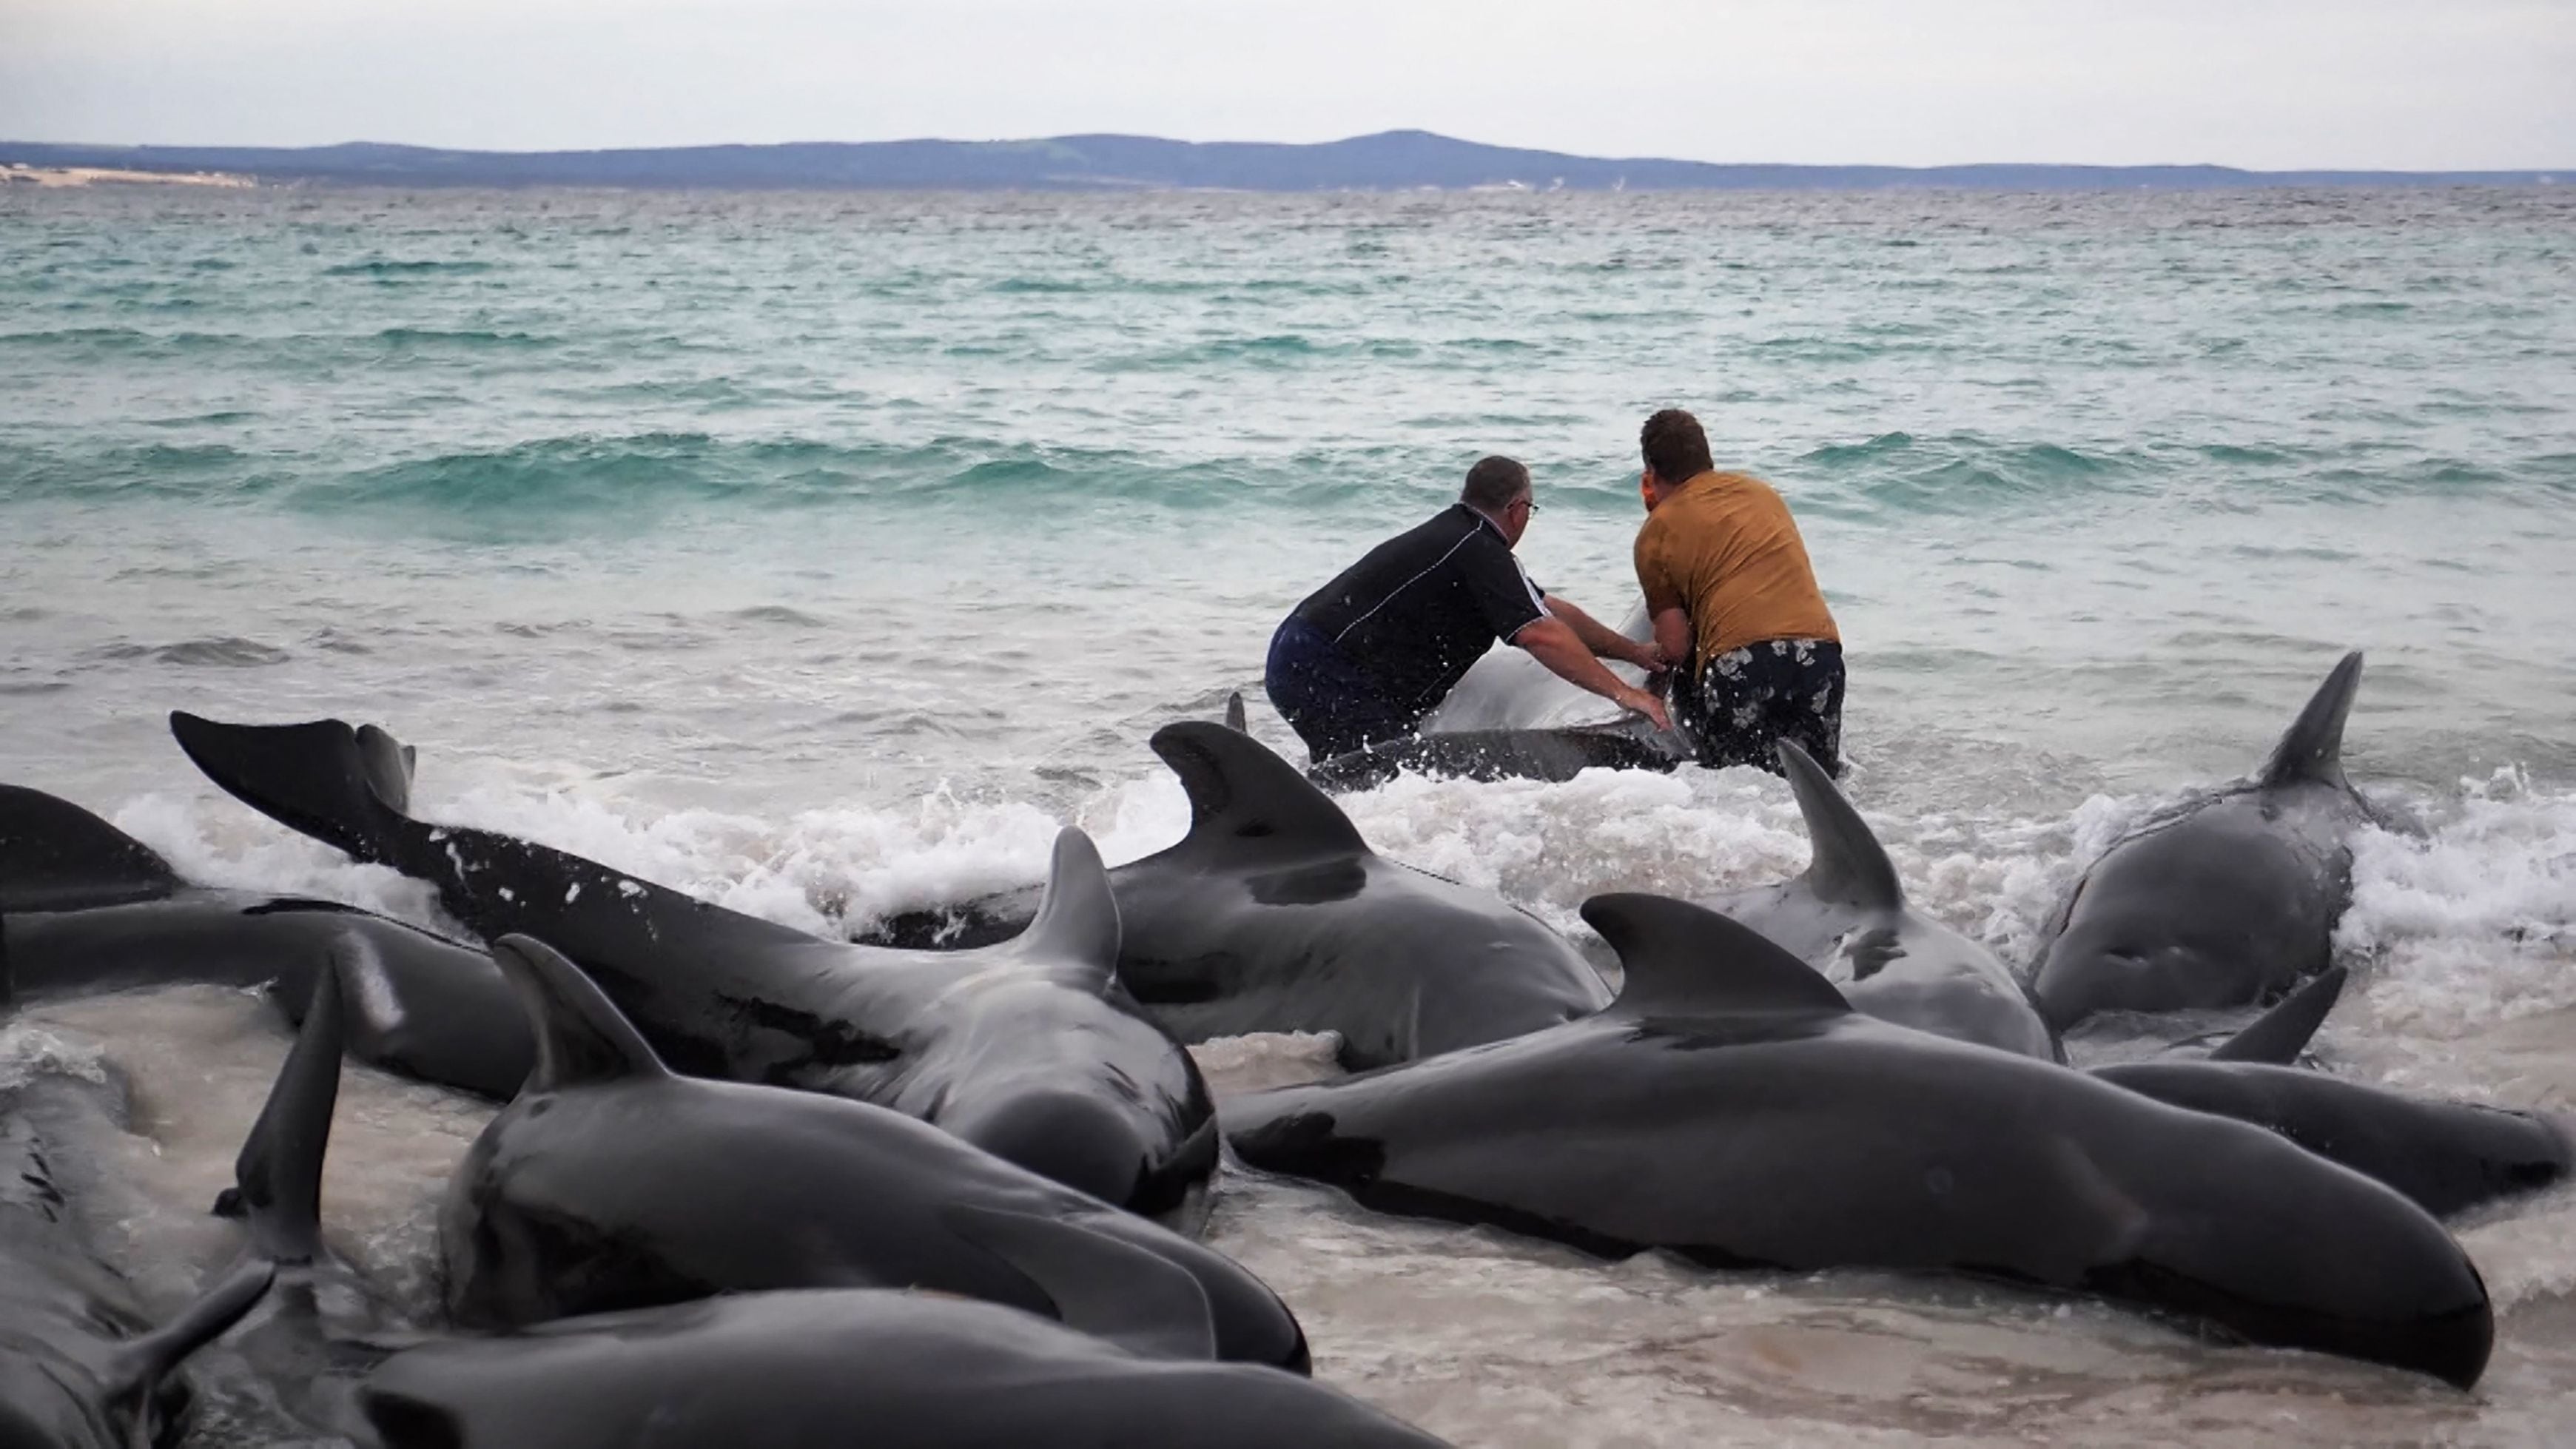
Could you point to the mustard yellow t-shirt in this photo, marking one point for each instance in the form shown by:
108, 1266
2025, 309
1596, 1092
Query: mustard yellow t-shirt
1724, 551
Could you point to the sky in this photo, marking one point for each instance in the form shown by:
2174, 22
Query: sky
2276, 84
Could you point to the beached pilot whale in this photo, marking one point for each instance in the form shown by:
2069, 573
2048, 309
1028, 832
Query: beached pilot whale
1272, 914
81, 1366
892, 1370
1846, 915
2231, 898
89, 910
1032, 1050
1732, 1107
612, 1183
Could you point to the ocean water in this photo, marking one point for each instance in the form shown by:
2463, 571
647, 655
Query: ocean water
822, 555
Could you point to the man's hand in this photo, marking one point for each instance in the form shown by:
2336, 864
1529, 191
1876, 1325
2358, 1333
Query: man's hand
1638, 701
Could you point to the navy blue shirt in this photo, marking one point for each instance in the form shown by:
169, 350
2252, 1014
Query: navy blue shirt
1424, 605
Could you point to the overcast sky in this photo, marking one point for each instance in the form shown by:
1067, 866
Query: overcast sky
2416, 84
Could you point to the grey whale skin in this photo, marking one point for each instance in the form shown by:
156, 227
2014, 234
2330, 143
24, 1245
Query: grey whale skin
611, 1183
81, 1367
1033, 1050
1556, 753
827, 1370
1272, 914
89, 909
2230, 899
1846, 915
1731, 1107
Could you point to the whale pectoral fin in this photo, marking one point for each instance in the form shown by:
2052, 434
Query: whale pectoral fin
581, 1035
1848, 865
1870, 951
1687, 960
1244, 797
314, 777
133, 1376
1234, 716
2280, 1034
56, 856
1099, 1285
1077, 920
2313, 748
277, 1179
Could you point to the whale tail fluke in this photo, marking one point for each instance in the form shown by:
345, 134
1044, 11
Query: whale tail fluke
1100, 1286
1847, 866
1235, 718
317, 778
2280, 1034
1687, 960
388, 764
2313, 748
1077, 921
277, 1179
581, 1035
55, 856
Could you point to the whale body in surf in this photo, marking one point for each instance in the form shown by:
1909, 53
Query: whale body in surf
612, 1183
2230, 898
1032, 1049
1273, 915
1732, 1107
1847, 916
89, 910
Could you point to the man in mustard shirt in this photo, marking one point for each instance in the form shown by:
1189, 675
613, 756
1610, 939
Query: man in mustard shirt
1728, 586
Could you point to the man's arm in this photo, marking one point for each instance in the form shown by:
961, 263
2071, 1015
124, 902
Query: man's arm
1603, 641
1673, 635
1552, 643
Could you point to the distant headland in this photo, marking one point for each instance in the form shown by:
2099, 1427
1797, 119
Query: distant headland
1388, 161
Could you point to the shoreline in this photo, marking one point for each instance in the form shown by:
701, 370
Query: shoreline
56, 178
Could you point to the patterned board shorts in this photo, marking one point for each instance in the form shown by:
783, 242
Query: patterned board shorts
1775, 689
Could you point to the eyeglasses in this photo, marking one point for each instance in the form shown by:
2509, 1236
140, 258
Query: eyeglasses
1528, 505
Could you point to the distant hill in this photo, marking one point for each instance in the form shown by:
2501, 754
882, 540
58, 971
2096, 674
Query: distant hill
1389, 161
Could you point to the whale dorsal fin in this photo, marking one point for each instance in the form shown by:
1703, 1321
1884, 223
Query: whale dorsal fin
1077, 921
2280, 1034
1234, 716
1687, 960
387, 764
1241, 794
134, 1373
1099, 1285
277, 1179
2313, 749
581, 1035
55, 856
1847, 866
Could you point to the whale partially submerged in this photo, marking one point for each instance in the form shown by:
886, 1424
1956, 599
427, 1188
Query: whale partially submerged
2230, 899
1273, 915
82, 1366
90, 910
1032, 1049
612, 1183
1847, 916
1734, 1109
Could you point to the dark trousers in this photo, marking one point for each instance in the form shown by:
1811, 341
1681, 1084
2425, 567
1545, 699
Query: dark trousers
1324, 697
1749, 698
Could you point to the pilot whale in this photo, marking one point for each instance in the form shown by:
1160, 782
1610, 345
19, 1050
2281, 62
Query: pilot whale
81, 1365
612, 1183
1733, 1108
1033, 1049
89, 909
2228, 899
1272, 914
1846, 915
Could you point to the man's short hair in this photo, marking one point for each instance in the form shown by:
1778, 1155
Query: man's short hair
1676, 450
1493, 483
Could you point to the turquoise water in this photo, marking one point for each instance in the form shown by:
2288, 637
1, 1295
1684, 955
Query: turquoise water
821, 554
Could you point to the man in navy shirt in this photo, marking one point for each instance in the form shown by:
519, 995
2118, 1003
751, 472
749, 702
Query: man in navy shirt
1366, 656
